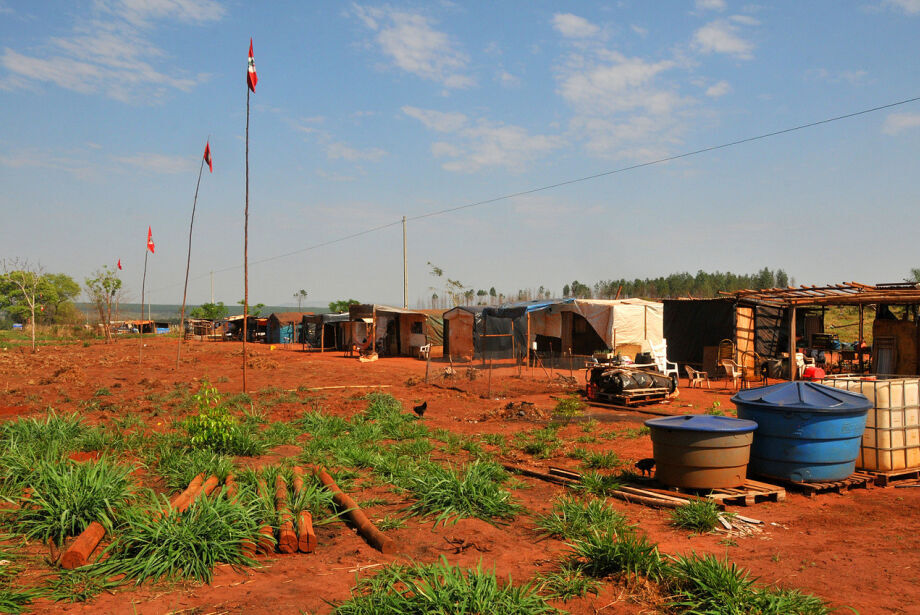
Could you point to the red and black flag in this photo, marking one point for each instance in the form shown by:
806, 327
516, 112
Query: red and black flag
150, 245
207, 156
251, 77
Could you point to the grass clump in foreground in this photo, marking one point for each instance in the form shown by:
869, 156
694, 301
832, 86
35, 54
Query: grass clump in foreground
159, 544
441, 588
705, 584
573, 518
472, 491
66, 497
697, 515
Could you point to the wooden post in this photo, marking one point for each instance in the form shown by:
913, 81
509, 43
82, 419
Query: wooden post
322, 335
527, 341
427, 363
246, 248
373, 328
793, 368
140, 354
513, 355
490, 377
859, 341
188, 263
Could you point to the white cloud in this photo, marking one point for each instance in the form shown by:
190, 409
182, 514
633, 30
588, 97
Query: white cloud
75, 164
643, 32
437, 120
140, 12
342, 151
897, 123
573, 26
414, 45
158, 163
722, 36
718, 89
335, 177
111, 53
508, 80
482, 143
852, 77
711, 5
909, 7
615, 83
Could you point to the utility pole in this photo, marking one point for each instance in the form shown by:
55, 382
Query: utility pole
405, 269
212, 287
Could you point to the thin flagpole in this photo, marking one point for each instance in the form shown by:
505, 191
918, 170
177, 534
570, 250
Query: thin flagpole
140, 354
188, 263
246, 247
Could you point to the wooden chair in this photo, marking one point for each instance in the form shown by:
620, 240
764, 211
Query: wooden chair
732, 370
696, 378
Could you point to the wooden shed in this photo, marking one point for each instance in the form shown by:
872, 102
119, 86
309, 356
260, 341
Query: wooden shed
387, 330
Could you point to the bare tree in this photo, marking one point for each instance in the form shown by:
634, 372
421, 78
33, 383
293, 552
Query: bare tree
102, 291
25, 280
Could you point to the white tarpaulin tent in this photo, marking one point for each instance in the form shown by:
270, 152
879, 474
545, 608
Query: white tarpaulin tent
616, 322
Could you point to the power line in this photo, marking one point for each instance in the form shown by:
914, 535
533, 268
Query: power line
569, 182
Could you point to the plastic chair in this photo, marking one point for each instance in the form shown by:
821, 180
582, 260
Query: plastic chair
696, 378
732, 370
424, 351
660, 354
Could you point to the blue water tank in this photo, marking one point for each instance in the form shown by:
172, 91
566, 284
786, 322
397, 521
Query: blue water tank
806, 432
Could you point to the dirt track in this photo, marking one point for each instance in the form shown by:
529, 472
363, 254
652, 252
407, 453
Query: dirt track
861, 549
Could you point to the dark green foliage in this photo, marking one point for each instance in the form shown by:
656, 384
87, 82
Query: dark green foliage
703, 284
606, 460
473, 491
66, 497
158, 543
568, 582
576, 518
441, 588
597, 484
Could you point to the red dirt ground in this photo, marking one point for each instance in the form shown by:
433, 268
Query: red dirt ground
860, 550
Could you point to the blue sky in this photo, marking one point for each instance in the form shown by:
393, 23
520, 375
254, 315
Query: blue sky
366, 112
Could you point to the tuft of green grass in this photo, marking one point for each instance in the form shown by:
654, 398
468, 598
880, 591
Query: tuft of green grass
700, 516
179, 466
625, 552
541, 443
390, 522
159, 544
77, 586
601, 460
441, 588
569, 407
573, 518
472, 491
67, 497
597, 484
706, 584
568, 582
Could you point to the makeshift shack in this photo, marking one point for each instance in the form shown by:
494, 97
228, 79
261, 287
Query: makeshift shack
325, 331
555, 327
255, 328
462, 326
285, 327
387, 330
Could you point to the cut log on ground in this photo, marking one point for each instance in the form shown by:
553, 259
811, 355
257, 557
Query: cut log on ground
306, 537
368, 530
184, 499
266, 540
78, 553
287, 539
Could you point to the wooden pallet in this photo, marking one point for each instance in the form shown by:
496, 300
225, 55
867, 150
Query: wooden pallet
752, 492
635, 397
856, 480
883, 478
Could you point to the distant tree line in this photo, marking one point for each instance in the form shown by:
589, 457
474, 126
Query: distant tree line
701, 285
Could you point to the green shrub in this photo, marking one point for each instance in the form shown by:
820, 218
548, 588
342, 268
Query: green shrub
569, 407
214, 428
568, 582
598, 484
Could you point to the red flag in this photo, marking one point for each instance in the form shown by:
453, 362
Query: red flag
207, 156
119, 263
251, 77
150, 245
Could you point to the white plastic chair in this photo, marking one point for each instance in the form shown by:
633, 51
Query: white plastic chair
732, 370
660, 355
696, 378
424, 351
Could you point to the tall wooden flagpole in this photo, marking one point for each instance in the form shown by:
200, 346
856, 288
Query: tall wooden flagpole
251, 80
188, 261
